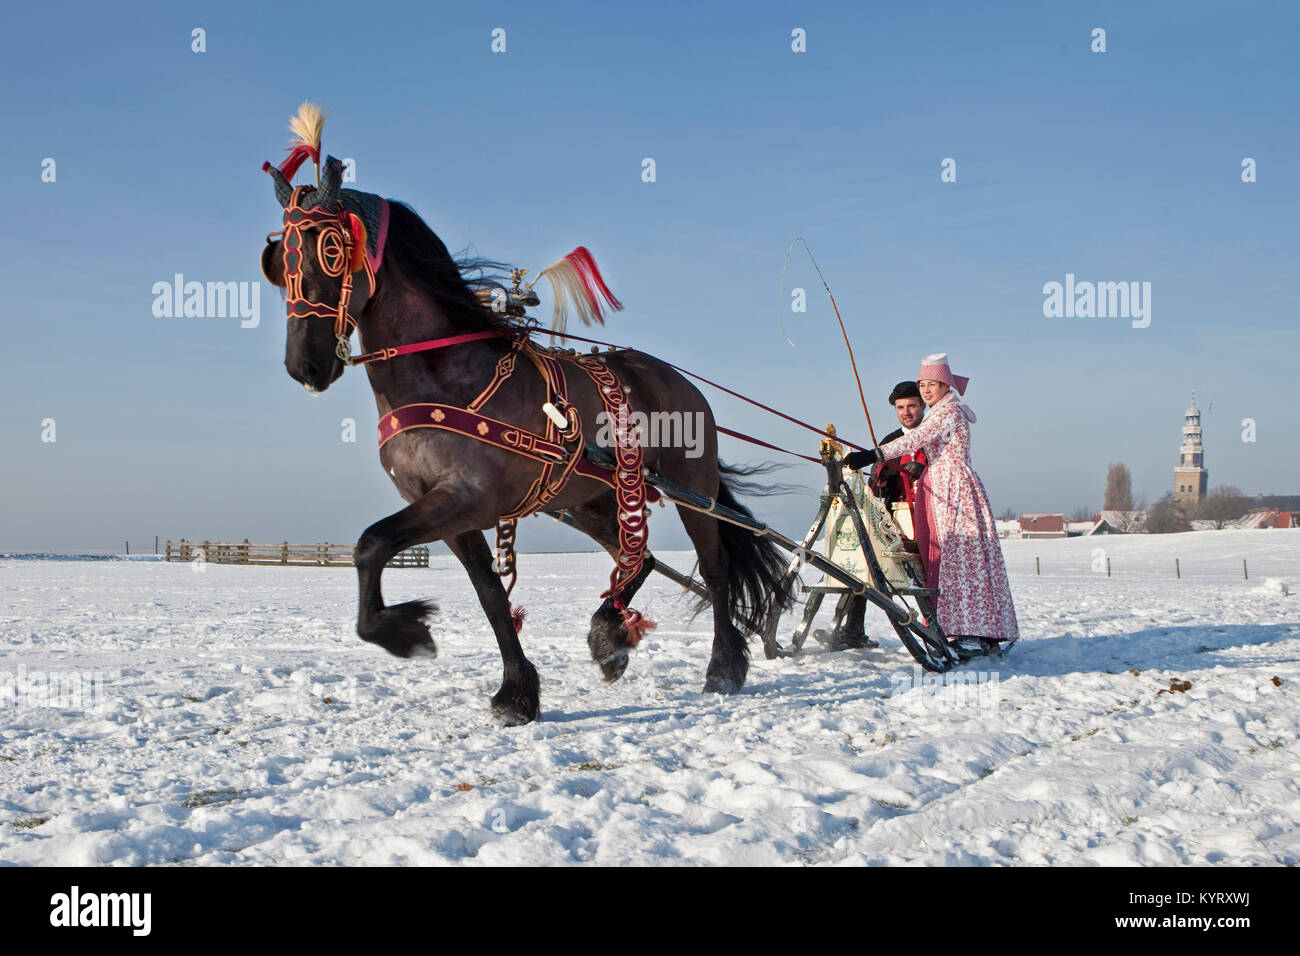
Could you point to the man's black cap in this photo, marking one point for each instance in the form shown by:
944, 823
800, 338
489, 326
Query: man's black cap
904, 390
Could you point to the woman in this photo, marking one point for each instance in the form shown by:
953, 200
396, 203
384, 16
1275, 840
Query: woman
962, 553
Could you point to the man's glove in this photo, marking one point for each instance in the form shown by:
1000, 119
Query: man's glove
913, 469
861, 459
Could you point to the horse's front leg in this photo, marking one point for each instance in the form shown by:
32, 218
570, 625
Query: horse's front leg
518, 700
401, 629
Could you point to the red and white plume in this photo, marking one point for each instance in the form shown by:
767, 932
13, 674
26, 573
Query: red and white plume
306, 128
575, 279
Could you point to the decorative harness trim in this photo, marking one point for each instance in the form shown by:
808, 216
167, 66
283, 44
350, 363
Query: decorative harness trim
453, 418
560, 450
629, 479
335, 250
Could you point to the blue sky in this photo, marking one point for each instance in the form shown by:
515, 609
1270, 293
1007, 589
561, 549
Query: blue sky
1115, 166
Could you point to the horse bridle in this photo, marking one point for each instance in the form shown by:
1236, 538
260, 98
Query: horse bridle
339, 246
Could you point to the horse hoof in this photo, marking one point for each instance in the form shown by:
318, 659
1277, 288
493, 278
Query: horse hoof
720, 679
607, 640
512, 717
720, 685
400, 630
518, 702
612, 667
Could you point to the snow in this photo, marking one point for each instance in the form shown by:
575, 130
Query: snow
231, 716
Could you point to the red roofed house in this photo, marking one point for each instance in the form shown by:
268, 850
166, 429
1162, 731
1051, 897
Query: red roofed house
1042, 526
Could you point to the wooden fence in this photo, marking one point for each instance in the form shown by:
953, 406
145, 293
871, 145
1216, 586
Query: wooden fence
284, 553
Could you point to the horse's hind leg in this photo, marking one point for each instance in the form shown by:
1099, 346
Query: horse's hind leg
518, 700
729, 662
607, 637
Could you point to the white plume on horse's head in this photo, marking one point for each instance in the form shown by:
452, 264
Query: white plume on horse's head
307, 126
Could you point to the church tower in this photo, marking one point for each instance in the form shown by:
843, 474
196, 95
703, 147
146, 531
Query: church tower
1190, 477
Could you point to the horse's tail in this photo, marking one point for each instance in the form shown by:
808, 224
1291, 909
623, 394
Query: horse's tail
755, 566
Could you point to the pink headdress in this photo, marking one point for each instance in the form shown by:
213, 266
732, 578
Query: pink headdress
934, 368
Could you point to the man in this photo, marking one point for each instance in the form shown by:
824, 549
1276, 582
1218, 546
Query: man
897, 480
893, 481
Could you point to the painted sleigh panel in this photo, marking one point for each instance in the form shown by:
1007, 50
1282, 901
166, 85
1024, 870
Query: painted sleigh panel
902, 568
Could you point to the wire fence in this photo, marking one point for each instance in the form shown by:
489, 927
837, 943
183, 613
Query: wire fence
1103, 564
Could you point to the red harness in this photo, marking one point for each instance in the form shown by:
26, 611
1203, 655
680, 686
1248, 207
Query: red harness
339, 246
559, 451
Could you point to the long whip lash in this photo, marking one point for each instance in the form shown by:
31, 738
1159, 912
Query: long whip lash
781, 315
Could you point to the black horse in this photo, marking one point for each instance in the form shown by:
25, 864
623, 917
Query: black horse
411, 290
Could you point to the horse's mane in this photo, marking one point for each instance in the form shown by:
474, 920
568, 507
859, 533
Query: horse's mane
422, 258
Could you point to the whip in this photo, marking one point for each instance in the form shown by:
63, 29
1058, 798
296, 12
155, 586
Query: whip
847, 344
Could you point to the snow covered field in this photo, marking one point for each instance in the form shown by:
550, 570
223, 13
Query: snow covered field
231, 716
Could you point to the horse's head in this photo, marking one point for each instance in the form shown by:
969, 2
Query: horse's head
320, 260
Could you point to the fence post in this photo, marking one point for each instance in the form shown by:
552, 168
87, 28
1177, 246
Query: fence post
1178, 571
128, 547
284, 553
207, 551
1037, 569
1244, 573
1107, 567
155, 544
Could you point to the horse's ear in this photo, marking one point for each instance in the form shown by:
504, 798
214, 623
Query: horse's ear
273, 263
331, 178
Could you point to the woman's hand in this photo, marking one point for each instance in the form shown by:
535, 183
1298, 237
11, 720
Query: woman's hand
861, 459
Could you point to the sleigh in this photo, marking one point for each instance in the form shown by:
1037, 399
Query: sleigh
870, 537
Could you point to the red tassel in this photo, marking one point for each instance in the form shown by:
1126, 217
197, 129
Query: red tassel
636, 626
593, 281
358, 230
517, 615
297, 156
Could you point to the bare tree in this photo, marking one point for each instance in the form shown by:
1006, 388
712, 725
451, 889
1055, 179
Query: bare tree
1119, 488
1135, 521
1008, 515
1081, 514
1166, 517
1223, 504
